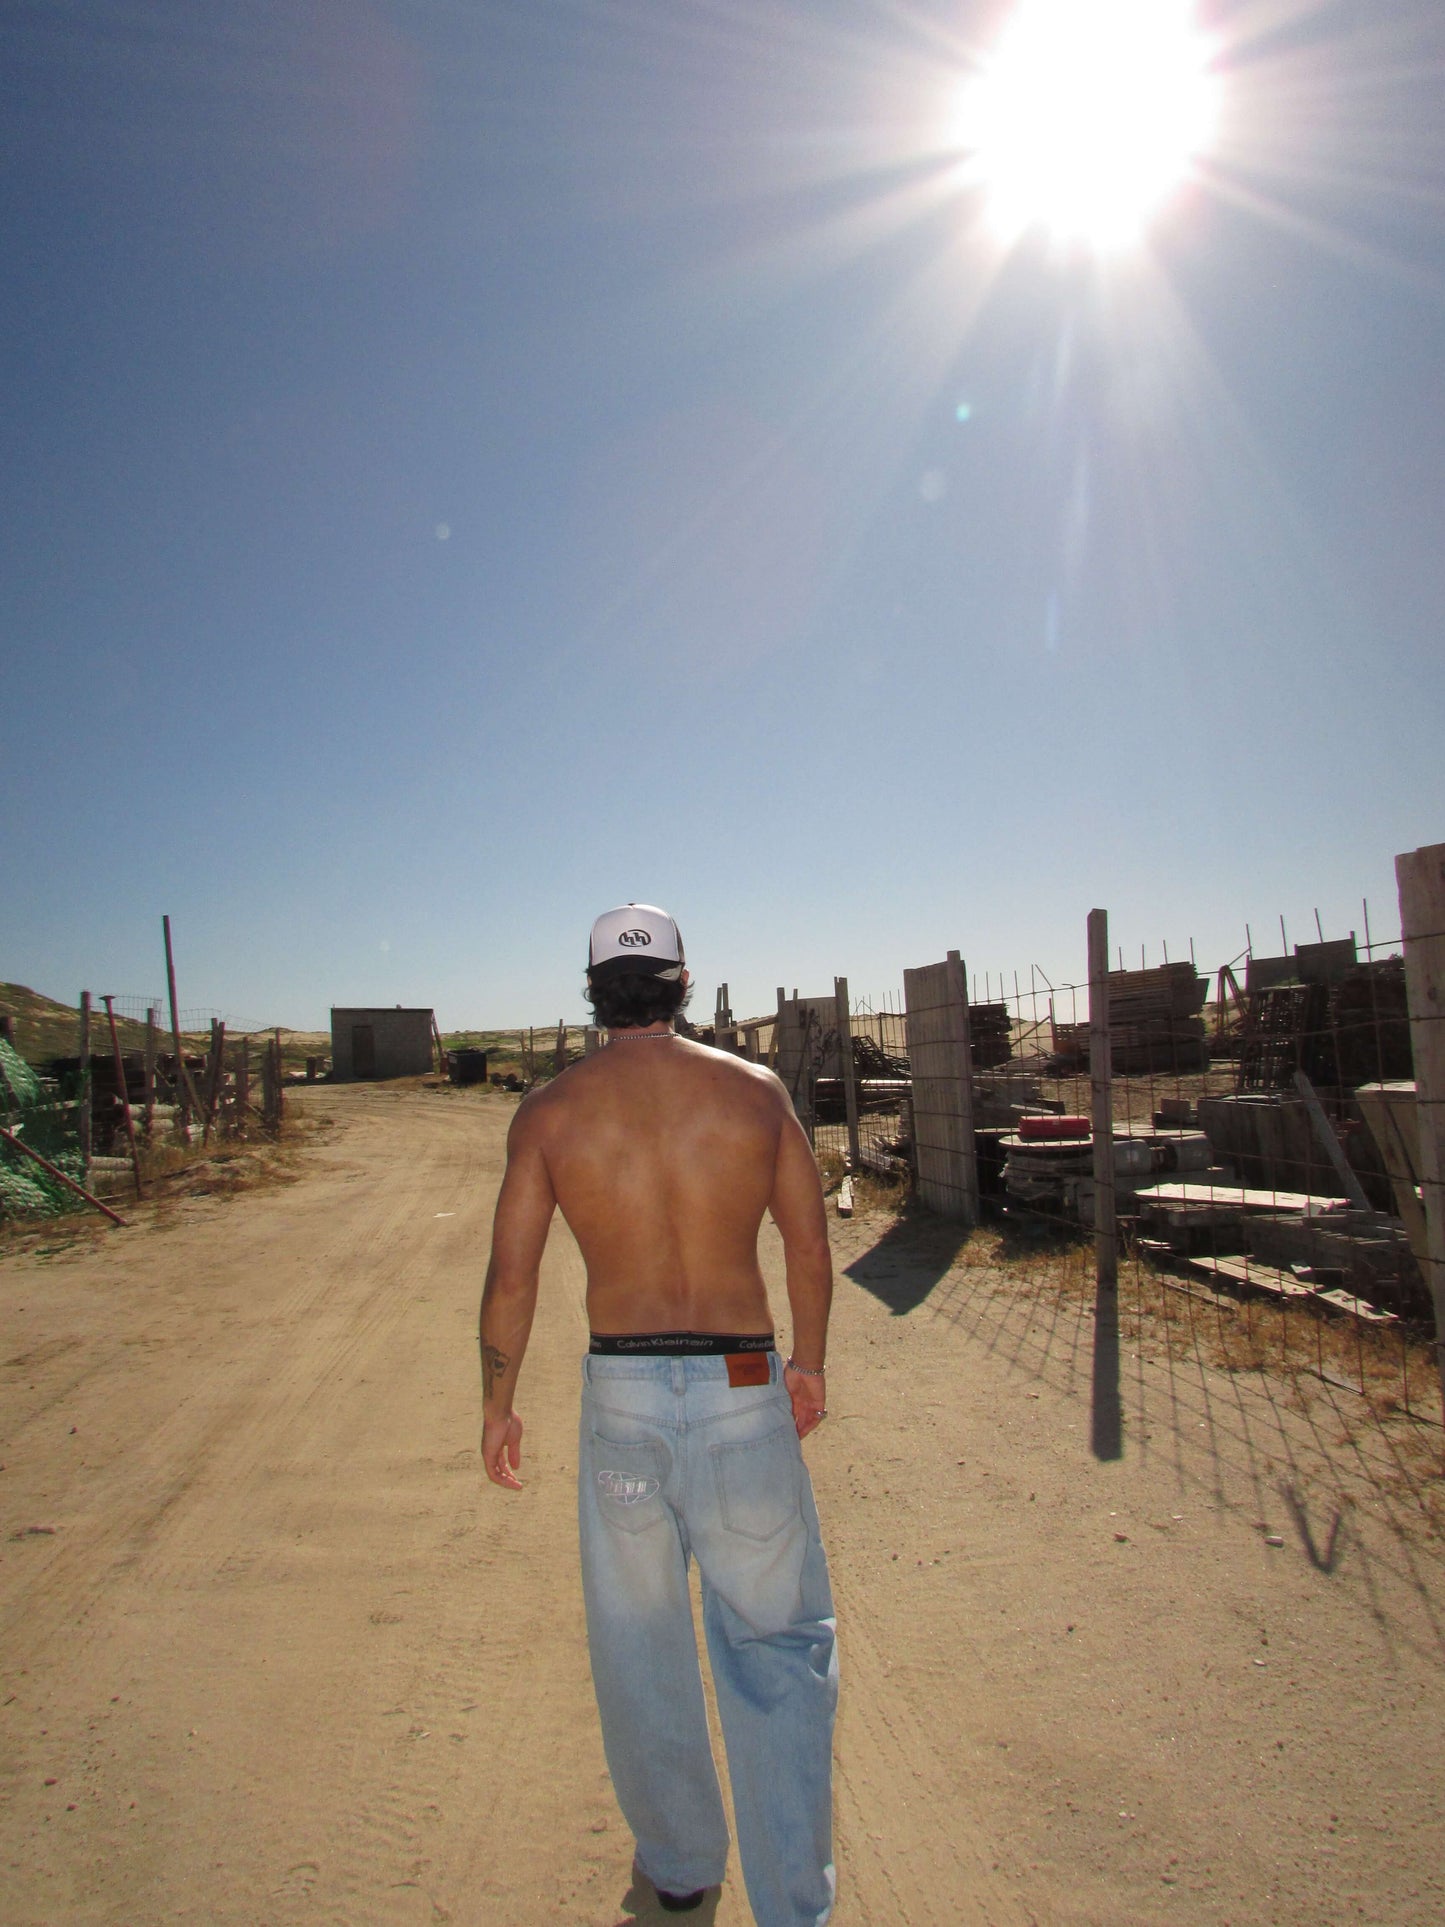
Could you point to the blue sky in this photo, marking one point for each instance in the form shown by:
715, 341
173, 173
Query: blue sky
471, 464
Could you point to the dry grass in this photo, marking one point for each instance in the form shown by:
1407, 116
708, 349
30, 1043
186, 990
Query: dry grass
172, 1171
831, 1168
1387, 1373
1391, 1368
1371, 1383
874, 1196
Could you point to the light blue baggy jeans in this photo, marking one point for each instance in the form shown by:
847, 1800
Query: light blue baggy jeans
676, 1463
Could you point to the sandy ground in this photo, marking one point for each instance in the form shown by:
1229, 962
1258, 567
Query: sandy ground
276, 1653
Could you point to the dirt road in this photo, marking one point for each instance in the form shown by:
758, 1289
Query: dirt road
275, 1653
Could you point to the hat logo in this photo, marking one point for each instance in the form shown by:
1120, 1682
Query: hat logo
633, 939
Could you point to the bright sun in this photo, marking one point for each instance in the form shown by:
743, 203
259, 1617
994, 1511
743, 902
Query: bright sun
1087, 115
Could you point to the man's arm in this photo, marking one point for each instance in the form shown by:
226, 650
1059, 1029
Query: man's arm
797, 1210
519, 1233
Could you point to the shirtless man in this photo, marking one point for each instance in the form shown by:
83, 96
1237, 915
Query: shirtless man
663, 1156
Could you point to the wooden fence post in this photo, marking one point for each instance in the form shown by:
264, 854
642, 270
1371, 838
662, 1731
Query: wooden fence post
272, 1100
186, 1098
122, 1092
215, 1075
1106, 1412
182, 1117
724, 1031
83, 1119
1101, 1095
1420, 876
152, 1015
844, 1024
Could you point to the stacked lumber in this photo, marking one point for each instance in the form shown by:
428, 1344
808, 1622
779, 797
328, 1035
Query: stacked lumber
1154, 1019
1369, 1025
1155, 1023
989, 1038
1354, 1030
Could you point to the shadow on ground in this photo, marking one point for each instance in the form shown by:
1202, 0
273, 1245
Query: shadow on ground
640, 1904
1301, 1457
914, 1254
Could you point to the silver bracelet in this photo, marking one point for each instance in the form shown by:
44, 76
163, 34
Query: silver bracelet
805, 1371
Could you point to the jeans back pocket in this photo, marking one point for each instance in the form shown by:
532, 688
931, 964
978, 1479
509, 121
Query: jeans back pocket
627, 1481
757, 1482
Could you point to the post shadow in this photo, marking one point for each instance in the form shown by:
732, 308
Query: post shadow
1106, 1426
913, 1254
1326, 1559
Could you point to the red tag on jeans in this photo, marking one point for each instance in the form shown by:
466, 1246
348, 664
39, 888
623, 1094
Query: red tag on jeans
748, 1368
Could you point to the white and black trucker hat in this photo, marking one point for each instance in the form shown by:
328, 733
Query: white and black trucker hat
638, 938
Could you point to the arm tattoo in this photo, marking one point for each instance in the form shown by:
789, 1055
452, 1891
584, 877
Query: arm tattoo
494, 1365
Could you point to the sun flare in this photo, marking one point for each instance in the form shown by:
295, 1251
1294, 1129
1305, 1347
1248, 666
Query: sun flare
1088, 115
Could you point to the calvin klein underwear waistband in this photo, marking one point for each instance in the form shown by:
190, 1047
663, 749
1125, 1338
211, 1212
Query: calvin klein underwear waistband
678, 1344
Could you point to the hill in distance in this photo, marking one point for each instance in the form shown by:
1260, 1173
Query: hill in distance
46, 1029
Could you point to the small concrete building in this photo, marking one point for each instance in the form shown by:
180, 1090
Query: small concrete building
390, 1042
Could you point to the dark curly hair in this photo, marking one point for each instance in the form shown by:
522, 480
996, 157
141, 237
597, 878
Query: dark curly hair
625, 999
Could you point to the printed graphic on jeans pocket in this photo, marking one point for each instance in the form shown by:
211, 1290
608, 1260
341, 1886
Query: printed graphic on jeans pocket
626, 1487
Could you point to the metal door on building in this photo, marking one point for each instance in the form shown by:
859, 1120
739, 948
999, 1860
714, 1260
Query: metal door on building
363, 1050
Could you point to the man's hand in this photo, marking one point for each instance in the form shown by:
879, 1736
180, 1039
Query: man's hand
502, 1450
810, 1399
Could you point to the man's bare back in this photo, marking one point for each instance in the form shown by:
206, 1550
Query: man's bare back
663, 1157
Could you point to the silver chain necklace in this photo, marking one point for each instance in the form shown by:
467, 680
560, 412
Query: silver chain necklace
639, 1036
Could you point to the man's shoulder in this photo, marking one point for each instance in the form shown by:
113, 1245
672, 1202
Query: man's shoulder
758, 1075
736, 1080
541, 1104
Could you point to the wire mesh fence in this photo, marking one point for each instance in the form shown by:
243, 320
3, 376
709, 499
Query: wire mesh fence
1244, 1133
1252, 1132
88, 1114
194, 1020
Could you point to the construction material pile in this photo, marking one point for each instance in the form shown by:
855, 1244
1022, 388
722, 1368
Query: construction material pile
1341, 1034
871, 1060
1049, 1162
1155, 1021
989, 1037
